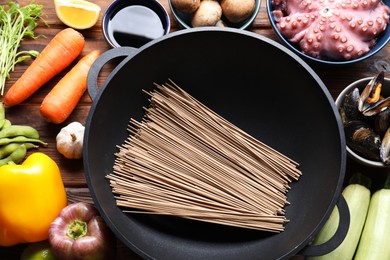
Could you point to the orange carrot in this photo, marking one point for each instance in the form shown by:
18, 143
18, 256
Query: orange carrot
63, 98
60, 52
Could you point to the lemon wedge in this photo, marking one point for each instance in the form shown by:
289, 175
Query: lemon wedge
78, 14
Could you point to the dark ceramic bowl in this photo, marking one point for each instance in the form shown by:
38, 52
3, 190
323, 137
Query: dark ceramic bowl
185, 19
132, 23
361, 84
382, 40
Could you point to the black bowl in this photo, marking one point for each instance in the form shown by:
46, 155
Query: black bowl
134, 22
184, 19
361, 84
381, 42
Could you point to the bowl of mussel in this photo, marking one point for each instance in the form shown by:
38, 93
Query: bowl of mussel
364, 107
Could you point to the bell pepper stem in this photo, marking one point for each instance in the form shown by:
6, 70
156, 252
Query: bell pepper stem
76, 229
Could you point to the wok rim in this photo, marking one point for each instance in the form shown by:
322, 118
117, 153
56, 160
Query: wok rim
296, 57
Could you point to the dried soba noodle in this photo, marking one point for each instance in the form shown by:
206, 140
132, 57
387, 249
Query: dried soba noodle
185, 160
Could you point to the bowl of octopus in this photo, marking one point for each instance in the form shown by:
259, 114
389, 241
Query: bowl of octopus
331, 31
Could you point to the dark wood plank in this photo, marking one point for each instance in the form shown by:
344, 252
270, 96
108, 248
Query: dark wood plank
335, 78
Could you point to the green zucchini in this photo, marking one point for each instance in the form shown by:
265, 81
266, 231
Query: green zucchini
374, 242
357, 195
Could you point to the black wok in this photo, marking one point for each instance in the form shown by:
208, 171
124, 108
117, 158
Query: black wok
279, 100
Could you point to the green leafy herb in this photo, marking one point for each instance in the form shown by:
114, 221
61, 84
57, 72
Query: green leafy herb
16, 23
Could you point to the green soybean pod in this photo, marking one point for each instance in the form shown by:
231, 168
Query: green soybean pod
30, 145
7, 149
16, 156
21, 139
6, 123
19, 130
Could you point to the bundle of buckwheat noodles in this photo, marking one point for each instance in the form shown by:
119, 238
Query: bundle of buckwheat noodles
185, 160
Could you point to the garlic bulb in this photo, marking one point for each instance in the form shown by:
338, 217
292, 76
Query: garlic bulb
70, 140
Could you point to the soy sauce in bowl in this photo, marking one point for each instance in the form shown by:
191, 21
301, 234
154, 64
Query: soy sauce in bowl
134, 23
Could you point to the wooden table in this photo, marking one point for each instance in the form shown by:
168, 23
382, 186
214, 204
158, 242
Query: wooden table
27, 113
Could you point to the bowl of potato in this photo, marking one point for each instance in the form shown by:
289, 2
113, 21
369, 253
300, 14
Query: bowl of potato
224, 13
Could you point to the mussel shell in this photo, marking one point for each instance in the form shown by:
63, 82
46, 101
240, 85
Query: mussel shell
382, 122
385, 148
374, 86
349, 108
377, 107
362, 139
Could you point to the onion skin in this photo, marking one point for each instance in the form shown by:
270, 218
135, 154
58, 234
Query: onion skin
98, 242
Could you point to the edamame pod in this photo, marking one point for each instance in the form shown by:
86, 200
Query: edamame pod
21, 139
15, 140
7, 149
30, 145
19, 130
6, 123
16, 156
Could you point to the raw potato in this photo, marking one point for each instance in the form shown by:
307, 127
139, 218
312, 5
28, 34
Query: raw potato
237, 11
186, 6
208, 14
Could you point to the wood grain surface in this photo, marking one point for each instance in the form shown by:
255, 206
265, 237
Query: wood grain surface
335, 78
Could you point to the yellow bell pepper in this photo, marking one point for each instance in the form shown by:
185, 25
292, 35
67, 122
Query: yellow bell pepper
32, 195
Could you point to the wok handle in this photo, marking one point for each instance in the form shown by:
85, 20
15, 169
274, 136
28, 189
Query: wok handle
337, 238
96, 67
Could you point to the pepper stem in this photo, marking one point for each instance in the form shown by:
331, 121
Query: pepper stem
76, 229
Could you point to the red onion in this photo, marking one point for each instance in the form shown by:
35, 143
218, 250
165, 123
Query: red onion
80, 233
